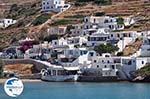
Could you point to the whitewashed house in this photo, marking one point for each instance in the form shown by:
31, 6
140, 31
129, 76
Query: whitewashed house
105, 65
80, 57
121, 39
77, 41
59, 30
54, 5
6, 22
38, 50
141, 62
59, 43
78, 30
103, 22
128, 21
96, 39
92, 24
145, 48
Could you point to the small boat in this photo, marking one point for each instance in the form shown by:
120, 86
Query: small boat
58, 74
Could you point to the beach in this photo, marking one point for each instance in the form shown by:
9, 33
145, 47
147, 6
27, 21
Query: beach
2, 81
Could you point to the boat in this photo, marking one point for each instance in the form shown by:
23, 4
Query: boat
58, 74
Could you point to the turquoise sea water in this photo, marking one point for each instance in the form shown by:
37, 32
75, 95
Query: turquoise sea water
68, 90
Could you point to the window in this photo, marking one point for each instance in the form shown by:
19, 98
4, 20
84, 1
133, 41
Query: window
102, 61
43, 3
108, 61
94, 20
105, 66
93, 44
113, 66
118, 35
91, 54
47, 2
109, 26
97, 66
86, 20
111, 35
94, 61
87, 27
142, 62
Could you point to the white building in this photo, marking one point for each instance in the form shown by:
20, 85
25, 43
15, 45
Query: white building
54, 5
145, 48
103, 22
6, 22
59, 30
59, 43
129, 21
121, 39
96, 39
105, 65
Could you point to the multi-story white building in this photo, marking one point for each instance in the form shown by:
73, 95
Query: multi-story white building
54, 5
103, 22
107, 65
6, 22
145, 48
92, 24
96, 39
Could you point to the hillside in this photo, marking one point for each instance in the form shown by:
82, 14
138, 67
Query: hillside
32, 22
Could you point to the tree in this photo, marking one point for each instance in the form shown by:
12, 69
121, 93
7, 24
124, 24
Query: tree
120, 20
1, 68
106, 48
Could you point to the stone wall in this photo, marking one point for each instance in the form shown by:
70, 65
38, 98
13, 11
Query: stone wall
38, 65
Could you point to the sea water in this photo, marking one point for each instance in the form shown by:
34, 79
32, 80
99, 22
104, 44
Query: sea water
76, 90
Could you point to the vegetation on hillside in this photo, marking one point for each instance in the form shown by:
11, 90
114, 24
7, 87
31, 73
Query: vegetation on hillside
76, 16
41, 19
144, 71
17, 11
106, 48
98, 2
120, 20
60, 22
99, 14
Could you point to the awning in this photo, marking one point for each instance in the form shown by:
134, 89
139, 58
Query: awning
71, 68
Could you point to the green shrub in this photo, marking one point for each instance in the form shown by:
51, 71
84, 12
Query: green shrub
41, 19
76, 16
102, 2
61, 22
80, 4
106, 48
120, 20
98, 2
99, 13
